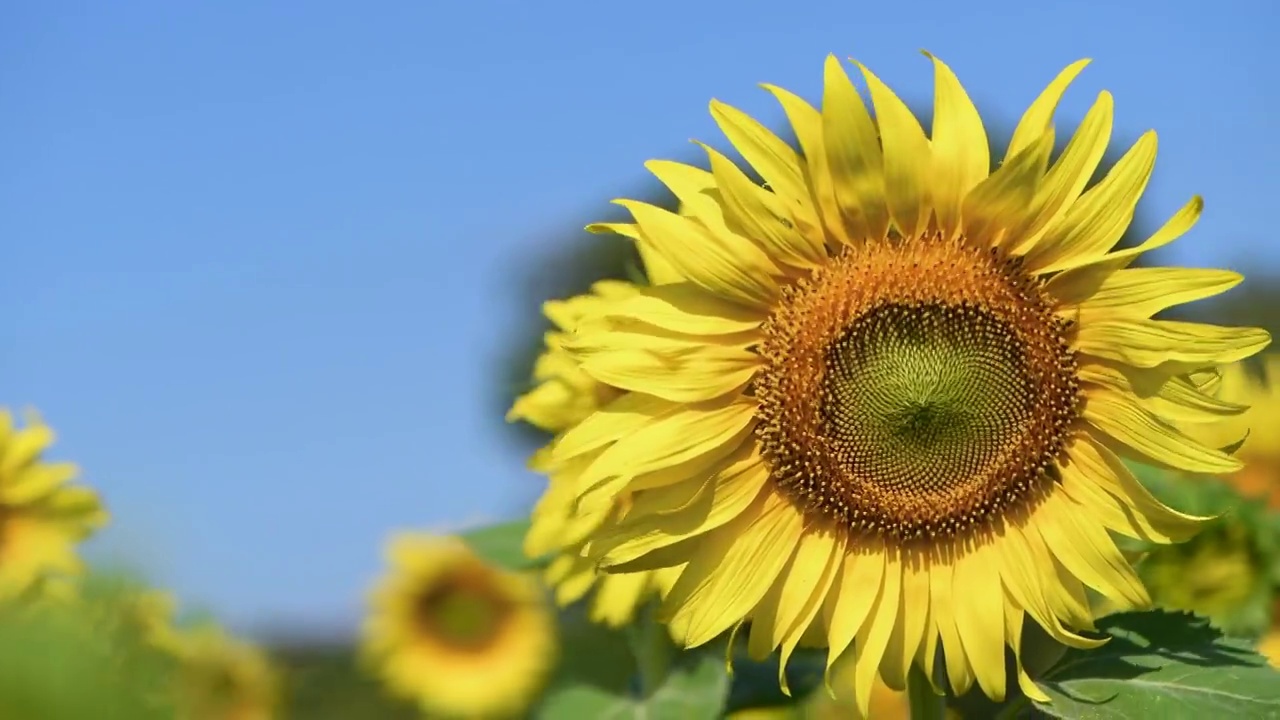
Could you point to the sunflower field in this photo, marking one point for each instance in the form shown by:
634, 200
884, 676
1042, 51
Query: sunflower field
879, 422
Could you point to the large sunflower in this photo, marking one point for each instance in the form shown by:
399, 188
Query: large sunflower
564, 394
456, 635
883, 402
43, 517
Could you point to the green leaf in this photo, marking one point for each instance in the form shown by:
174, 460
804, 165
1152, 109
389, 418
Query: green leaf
610, 674
501, 544
1162, 665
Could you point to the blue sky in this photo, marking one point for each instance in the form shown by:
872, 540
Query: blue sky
259, 256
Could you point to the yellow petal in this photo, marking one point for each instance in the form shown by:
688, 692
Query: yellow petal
734, 488
1003, 201
961, 158
1039, 116
1071, 172
1013, 627
853, 594
1085, 549
24, 447
1139, 292
733, 570
1174, 227
751, 211
1095, 222
777, 163
731, 267
909, 628
683, 308
814, 568
1118, 416
873, 637
1025, 575
981, 630
619, 418
1173, 399
906, 158
1148, 343
684, 371
617, 597
942, 606
806, 121
853, 157
1106, 471
657, 268
671, 440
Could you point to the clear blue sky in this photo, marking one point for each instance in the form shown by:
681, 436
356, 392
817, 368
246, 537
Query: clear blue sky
257, 256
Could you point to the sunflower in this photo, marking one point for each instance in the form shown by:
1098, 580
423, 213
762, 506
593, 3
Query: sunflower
223, 678
42, 517
883, 404
456, 635
563, 396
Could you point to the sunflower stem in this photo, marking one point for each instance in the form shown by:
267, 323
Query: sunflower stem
925, 703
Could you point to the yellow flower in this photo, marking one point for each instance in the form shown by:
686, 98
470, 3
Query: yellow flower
883, 400
222, 678
42, 517
456, 635
564, 395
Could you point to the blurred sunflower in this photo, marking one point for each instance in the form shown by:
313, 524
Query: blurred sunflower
890, 373
42, 517
223, 678
456, 635
563, 396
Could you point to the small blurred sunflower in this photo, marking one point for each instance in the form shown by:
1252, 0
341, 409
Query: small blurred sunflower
564, 394
223, 678
456, 635
42, 516
883, 395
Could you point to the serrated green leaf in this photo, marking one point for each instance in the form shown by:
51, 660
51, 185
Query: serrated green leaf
501, 544
600, 677
1162, 665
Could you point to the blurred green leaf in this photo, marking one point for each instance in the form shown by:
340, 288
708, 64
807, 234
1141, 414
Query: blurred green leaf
501, 544
607, 673
1162, 665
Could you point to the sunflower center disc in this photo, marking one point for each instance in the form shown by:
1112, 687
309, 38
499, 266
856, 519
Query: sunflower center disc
915, 388
463, 614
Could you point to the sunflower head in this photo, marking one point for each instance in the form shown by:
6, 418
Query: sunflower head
456, 635
223, 678
43, 517
881, 400
563, 395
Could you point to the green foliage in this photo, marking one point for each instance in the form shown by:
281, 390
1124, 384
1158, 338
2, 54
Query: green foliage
60, 661
1230, 570
325, 682
1162, 665
501, 544
633, 673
